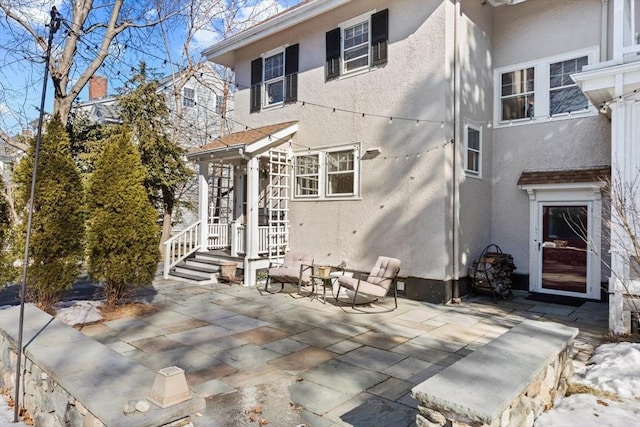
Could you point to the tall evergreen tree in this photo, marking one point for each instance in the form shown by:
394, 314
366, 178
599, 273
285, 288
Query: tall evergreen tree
122, 235
145, 111
6, 270
57, 229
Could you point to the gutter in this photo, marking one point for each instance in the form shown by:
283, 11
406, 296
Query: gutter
276, 24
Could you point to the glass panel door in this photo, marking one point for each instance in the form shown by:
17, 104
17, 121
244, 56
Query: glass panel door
564, 248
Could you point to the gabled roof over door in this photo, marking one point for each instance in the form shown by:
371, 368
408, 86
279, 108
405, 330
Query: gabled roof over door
250, 142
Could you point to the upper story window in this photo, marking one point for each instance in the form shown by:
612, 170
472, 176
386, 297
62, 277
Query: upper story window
276, 75
517, 94
542, 89
219, 103
327, 174
564, 95
355, 50
274, 79
357, 44
188, 97
473, 147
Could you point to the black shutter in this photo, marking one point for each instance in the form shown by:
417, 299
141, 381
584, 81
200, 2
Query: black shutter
333, 54
379, 37
255, 92
291, 73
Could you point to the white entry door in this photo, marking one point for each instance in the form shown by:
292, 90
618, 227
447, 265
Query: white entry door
565, 231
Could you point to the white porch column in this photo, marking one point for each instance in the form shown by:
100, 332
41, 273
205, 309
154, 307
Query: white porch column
251, 232
203, 203
625, 168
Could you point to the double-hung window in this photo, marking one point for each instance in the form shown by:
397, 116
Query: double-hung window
274, 79
542, 89
473, 147
307, 178
357, 45
517, 94
219, 102
276, 75
188, 97
340, 173
330, 173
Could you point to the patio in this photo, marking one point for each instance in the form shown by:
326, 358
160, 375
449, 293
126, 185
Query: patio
291, 360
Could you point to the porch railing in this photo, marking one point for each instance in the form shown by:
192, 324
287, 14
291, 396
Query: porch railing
181, 246
263, 239
218, 236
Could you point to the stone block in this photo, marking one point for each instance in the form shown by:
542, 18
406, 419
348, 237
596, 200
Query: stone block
432, 415
74, 418
423, 422
42, 419
60, 401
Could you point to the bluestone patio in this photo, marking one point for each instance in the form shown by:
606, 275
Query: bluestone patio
286, 359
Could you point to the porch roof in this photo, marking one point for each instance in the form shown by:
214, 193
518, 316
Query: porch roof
248, 142
565, 176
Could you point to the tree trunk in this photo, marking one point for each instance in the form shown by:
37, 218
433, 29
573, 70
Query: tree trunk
166, 231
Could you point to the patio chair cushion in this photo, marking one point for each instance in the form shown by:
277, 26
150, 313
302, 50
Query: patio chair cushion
289, 271
377, 283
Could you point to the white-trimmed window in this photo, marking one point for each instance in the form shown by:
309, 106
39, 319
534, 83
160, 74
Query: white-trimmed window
307, 175
355, 47
473, 149
517, 94
274, 79
188, 97
357, 44
564, 95
340, 173
542, 89
329, 173
219, 102
274, 74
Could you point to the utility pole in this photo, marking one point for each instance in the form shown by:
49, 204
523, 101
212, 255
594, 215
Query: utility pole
54, 25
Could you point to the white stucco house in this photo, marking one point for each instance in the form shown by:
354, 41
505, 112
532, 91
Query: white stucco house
426, 130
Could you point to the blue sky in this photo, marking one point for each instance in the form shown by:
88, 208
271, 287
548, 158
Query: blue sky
21, 79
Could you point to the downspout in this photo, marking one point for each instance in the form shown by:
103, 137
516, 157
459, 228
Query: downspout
456, 113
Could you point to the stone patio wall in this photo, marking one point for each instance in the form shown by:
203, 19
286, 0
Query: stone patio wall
44, 399
68, 379
508, 382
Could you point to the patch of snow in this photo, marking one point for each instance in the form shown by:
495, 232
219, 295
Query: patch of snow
614, 368
6, 414
78, 312
587, 410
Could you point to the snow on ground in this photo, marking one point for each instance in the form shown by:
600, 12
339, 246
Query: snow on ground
6, 415
613, 368
78, 312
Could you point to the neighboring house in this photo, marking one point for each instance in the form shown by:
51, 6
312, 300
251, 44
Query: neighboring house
196, 109
426, 130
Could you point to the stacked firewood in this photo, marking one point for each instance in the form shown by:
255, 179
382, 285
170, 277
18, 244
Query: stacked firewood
492, 271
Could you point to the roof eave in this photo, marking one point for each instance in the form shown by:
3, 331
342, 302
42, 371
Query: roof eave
222, 52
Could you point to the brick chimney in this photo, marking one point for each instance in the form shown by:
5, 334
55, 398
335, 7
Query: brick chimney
97, 87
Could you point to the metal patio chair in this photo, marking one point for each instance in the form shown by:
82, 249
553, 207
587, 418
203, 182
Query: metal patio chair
377, 283
295, 268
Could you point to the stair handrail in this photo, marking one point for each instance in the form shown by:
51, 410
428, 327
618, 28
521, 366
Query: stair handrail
180, 246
